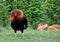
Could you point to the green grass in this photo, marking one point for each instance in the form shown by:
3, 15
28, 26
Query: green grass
7, 35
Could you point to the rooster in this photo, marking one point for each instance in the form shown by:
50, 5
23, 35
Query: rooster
18, 21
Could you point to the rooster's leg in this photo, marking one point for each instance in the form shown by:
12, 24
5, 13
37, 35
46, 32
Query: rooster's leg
22, 33
15, 33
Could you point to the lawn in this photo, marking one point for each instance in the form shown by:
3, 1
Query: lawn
30, 35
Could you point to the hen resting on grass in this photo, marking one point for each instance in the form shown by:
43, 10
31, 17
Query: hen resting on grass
18, 20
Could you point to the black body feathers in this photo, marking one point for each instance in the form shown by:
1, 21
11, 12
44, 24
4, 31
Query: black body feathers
19, 24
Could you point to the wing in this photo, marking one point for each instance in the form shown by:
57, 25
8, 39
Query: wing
25, 22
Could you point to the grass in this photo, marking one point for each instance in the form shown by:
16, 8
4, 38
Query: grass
7, 35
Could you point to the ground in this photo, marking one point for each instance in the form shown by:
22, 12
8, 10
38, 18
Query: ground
30, 35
